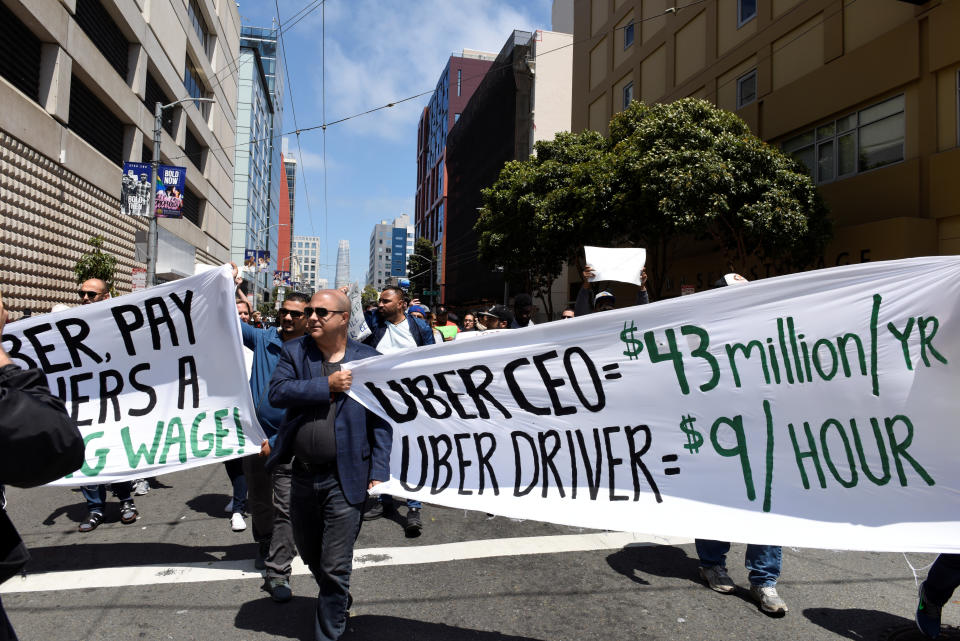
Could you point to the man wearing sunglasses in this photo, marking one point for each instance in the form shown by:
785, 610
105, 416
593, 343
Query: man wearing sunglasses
94, 290
338, 448
268, 493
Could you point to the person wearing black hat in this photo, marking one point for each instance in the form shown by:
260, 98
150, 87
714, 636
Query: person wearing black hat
497, 317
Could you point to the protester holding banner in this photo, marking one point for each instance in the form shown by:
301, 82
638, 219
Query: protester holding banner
269, 493
395, 331
94, 290
338, 448
39, 443
587, 303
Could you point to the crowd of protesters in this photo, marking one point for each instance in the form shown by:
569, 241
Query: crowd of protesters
310, 475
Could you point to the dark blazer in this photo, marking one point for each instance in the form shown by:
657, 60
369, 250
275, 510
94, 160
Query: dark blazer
421, 332
363, 438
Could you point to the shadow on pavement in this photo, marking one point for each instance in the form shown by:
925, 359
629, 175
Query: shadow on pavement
859, 624
658, 560
294, 620
369, 627
59, 558
291, 620
210, 504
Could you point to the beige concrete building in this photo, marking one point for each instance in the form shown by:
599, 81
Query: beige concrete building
864, 92
78, 82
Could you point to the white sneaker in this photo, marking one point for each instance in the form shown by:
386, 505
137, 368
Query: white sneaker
768, 599
229, 508
237, 524
140, 487
717, 578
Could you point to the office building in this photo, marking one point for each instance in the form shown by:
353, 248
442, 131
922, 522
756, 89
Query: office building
865, 94
342, 277
306, 263
391, 244
523, 98
78, 87
459, 79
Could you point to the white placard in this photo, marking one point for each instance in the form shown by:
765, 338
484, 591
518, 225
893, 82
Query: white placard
357, 329
616, 264
816, 409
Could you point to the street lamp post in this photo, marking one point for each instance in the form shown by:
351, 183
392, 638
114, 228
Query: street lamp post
152, 234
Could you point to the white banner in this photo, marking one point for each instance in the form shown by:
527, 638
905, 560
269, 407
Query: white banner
817, 409
155, 379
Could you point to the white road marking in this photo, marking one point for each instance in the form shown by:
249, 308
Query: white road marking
365, 558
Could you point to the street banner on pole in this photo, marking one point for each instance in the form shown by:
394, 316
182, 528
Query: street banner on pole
816, 409
256, 260
135, 189
171, 182
281, 278
155, 379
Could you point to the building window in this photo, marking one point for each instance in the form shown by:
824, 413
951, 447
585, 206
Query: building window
746, 11
200, 26
194, 85
459, 80
194, 150
95, 21
628, 35
154, 94
191, 206
94, 122
746, 88
627, 94
20, 52
858, 142
456, 118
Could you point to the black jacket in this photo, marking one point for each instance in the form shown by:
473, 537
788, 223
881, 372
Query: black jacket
39, 443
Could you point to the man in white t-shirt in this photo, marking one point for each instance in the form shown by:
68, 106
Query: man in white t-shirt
394, 331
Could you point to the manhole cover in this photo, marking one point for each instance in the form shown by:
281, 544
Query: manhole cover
911, 633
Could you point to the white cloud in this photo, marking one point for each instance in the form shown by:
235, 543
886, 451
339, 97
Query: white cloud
378, 52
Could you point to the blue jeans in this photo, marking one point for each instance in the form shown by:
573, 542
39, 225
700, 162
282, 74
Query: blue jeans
943, 579
386, 499
239, 483
763, 561
325, 527
96, 495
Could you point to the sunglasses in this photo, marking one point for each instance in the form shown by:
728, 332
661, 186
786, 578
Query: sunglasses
292, 313
321, 312
87, 294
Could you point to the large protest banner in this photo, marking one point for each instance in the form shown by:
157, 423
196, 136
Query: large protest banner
155, 379
817, 409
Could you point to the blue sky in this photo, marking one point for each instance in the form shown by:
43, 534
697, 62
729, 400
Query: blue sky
377, 52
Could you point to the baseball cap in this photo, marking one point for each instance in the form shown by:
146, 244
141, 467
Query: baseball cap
497, 311
417, 308
605, 294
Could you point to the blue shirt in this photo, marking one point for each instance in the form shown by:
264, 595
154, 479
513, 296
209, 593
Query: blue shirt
267, 346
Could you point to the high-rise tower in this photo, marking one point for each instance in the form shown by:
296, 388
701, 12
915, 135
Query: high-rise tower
342, 278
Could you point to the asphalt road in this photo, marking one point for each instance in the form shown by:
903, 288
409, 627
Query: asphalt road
518, 590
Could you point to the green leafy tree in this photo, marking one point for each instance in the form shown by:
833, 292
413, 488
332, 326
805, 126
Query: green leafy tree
540, 211
689, 169
667, 173
419, 265
369, 296
97, 263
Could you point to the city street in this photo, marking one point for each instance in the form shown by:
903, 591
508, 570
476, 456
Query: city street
181, 573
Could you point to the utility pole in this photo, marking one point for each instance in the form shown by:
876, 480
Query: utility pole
153, 232
154, 169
